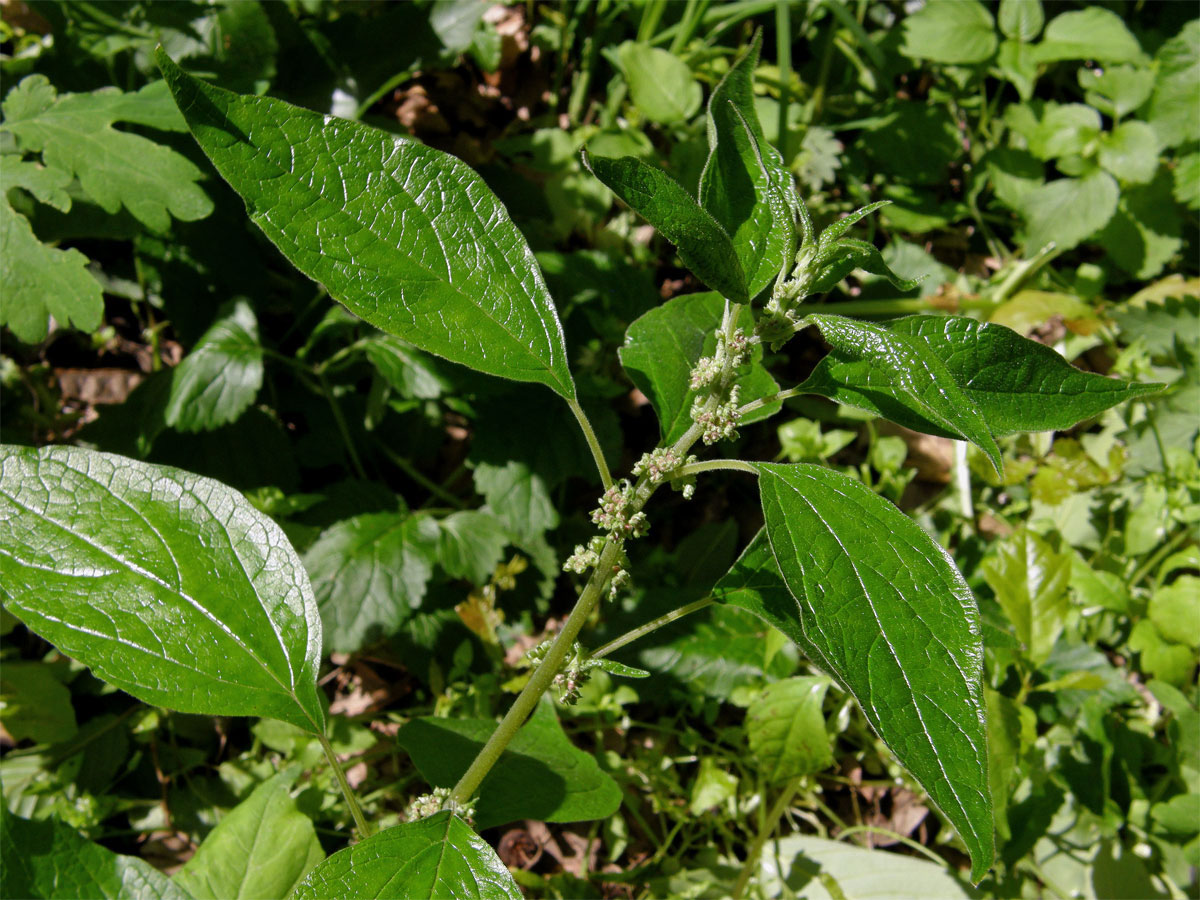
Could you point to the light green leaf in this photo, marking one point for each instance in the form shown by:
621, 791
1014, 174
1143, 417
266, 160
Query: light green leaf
455, 22
431, 858
1030, 578
74, 134
35, 704
1067, 211
1187, 181
39, 281
1092, 33
786, 729
901, 376
1116, 90
1017, 384
220, 378
813, 868
50, 860
518, 497
471, 544
262, 848
1172, 110
1061, 129
1130, 151
405, 236
660, 83
703, 244
1173, 663
1175, 611
168, 585
663, 345
893, 620
1021, 19
1016, 62
950, 31
712, 787
369, 574
541, 775
745, 184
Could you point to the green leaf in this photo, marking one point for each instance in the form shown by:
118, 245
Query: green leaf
471, 544
663, 345
518, 497
745, 184
1093, 33
1017, 384
74, 134
703, 244
35, 704
168, 585
786, 729
431, 858
1021, 19
900, 376
660, 83
1130, 152
220, 378
405, 368
39, 281
1016, 62
1147, 230
1175, 611
1116, 90
950, 31
369, 574
712, 787
1067, 211
541, 775
1172, 109
894, 621
50, 860
1186, 189
1030, 578
262, 848
1055, 130
405, 236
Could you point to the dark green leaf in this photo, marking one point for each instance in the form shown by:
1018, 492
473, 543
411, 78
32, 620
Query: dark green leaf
1147, 229
541, 775
950, 31
786, 729
369, 574
407, 237
168, 585
745, 184
262, 848
35, 704
53, 861
663, 345
221, 376
898, 377
431, 858
405, 368
894, 621
704, 246
471, 544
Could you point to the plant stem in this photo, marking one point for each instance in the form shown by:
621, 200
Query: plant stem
1149, 565
415, 474
542, 677
653, 625
343, 429
593, 442
709, 465
766, 401
364, 830
764, 834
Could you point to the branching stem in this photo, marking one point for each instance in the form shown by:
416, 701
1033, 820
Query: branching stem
653, 625
593, 442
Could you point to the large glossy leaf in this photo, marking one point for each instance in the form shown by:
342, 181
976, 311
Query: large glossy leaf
168, 585
704, 246
259, 850
894, 621
541, 775
663, 345
438, 857
755, 584
899, 378
407, 237
1015, 383
745, 184
221, 376
53, 861
786, 729
369, 574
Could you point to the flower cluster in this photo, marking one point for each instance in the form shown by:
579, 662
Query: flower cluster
615, 513
427, 804
574, 671
584, 557
660, 464
730, 354
720, 422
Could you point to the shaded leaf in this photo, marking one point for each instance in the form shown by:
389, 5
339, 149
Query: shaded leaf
471, 544
1172, 109
518, 497
168, 585
220, 378
405, 236
893, 620
431, 858
541, 775
786, 729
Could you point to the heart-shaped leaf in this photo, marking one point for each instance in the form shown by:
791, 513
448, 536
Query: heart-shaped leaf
168, 585
407, 237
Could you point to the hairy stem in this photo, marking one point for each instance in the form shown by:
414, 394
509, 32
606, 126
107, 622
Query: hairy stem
765, 401
593, 442
653, 625
364, 830
710, 465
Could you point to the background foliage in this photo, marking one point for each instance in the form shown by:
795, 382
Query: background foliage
1042, 163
